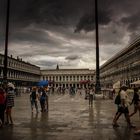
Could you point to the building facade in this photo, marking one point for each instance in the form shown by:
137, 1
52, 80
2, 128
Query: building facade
123, 67
68, 77
19, 72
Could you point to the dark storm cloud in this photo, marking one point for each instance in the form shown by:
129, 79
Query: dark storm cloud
72, 57
67, 12
133, 21
87, 22
44, 29
47, 12
109, 11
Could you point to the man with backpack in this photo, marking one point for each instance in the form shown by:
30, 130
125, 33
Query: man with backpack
34, 99
117, 102
2, 106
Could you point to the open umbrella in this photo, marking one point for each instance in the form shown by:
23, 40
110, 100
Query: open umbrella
136, 83
84, 81
117, 85
51, 82
43, 83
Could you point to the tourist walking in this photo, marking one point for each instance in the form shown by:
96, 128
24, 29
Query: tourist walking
117, 102
86, 93
9, 103
43, 98
123, 107
91, 93
136, 102
2, 106
34, 99
47, 100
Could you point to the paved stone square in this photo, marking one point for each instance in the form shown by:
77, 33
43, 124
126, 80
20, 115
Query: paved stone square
69, 118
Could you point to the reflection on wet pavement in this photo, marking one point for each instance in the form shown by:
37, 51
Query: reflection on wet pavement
69, 118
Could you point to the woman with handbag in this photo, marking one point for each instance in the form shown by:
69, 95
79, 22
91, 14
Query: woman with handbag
123, 108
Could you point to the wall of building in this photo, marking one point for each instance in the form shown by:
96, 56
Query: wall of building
68, 77
123, 67
20, 72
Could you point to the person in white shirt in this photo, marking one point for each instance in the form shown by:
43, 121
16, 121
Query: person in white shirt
123, 107
91, 94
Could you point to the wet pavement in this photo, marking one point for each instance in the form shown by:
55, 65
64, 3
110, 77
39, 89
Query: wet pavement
69, 118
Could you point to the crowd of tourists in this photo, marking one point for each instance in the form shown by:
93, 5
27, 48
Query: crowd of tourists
7, 95
40, 95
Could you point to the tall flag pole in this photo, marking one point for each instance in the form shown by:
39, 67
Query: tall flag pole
6, 43
97, 86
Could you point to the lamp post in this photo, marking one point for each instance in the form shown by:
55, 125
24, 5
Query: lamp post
6, 43
97, 85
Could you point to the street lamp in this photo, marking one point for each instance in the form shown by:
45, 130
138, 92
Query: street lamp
97, 85
6, 43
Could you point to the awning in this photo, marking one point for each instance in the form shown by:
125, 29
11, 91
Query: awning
84, 81
136, 83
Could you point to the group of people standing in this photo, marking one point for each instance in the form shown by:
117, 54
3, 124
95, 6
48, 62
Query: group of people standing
122, 100
39, 95
6, 104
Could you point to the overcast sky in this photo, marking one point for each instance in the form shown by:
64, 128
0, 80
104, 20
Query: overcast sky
51, 32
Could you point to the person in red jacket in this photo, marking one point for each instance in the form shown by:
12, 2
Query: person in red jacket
2, 106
